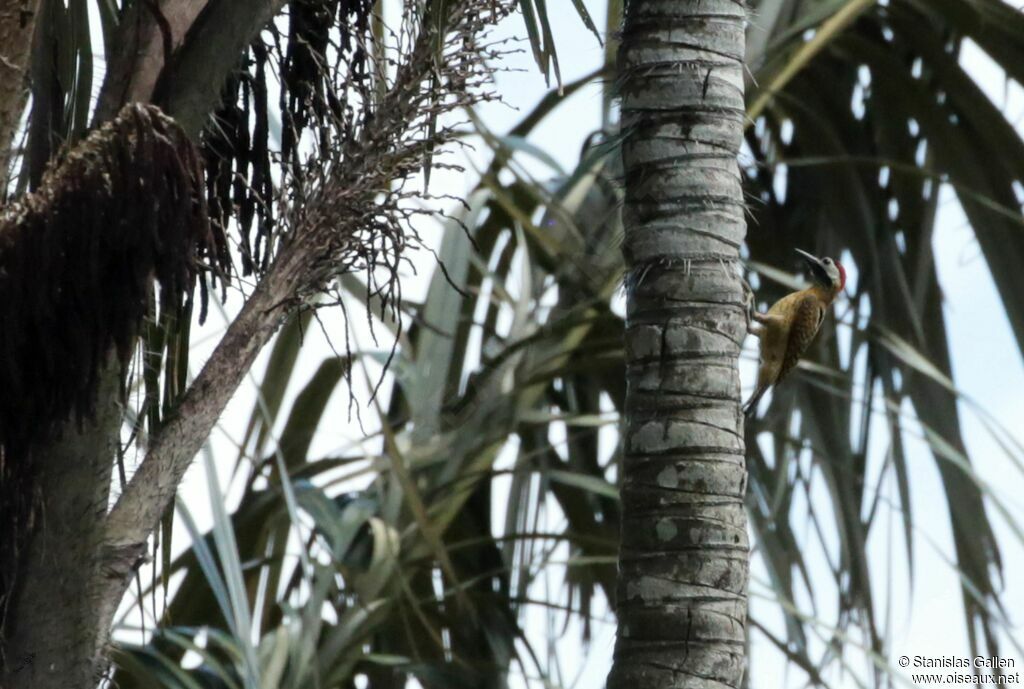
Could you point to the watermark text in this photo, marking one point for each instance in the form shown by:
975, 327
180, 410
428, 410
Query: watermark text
961, 670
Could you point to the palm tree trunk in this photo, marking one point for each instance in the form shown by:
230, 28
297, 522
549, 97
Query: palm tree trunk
684, 554
52, 635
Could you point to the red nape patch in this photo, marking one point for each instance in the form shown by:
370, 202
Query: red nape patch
842, 276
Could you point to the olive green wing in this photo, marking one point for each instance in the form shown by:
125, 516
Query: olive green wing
807, 319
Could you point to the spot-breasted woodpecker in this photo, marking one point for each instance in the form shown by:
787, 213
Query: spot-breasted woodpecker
792, 322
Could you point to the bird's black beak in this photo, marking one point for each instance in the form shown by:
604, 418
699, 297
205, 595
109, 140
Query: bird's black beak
817, 267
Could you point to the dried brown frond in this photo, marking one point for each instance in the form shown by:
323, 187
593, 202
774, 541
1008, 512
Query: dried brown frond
78, 259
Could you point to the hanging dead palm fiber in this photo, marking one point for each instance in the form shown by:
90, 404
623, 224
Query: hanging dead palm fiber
118, 210
78, 259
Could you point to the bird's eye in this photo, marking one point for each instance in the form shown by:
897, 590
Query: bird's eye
828, 261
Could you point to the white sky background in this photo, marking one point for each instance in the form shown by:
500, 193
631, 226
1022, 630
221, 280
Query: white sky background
928, 619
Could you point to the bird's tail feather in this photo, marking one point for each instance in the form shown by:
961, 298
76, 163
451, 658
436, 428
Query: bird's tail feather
751, 406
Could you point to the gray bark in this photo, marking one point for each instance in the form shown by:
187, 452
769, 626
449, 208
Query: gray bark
144, 39
683, 563
190, 86
51, 629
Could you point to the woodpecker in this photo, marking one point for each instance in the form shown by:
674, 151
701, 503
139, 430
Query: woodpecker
792, 322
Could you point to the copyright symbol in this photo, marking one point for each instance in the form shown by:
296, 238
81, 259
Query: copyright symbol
904, 661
